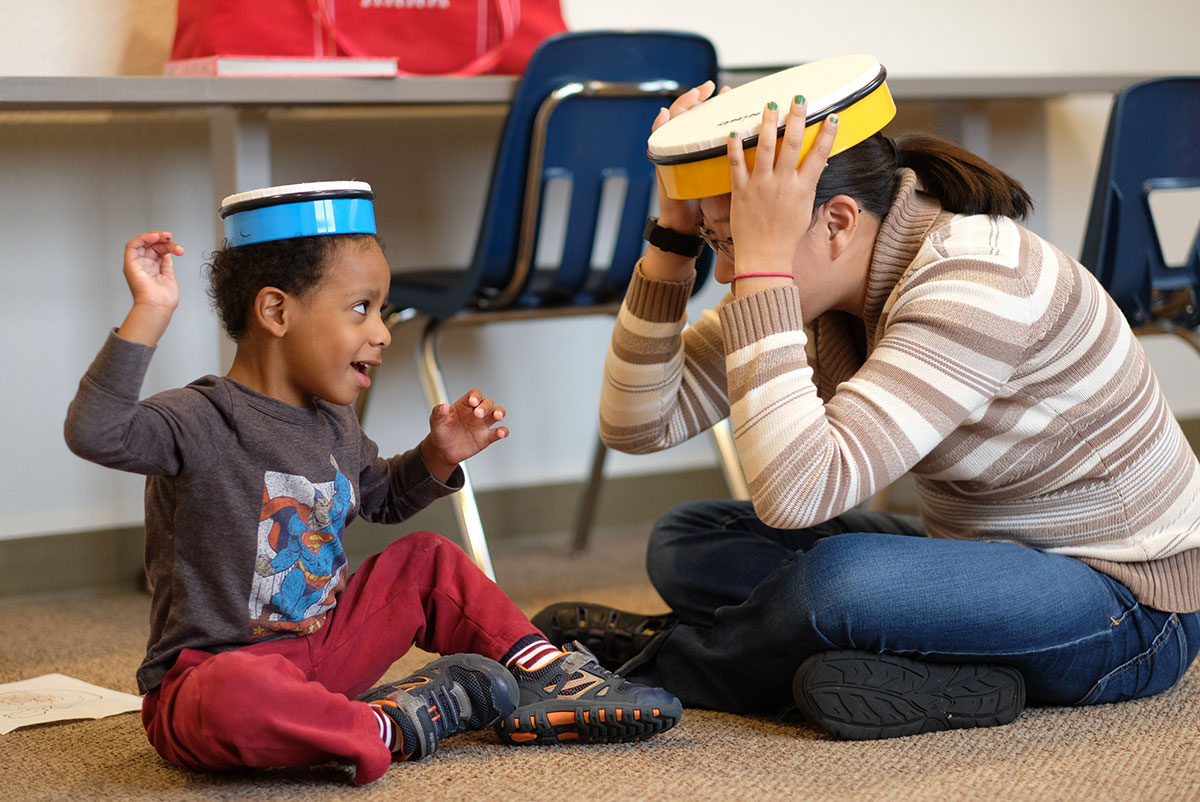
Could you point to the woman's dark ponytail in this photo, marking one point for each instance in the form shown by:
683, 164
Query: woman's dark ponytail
961, 181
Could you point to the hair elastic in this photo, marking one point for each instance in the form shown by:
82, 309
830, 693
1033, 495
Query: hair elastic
298, 210
762, 275
895, 149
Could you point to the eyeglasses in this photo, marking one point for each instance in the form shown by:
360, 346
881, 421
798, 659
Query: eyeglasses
721, 246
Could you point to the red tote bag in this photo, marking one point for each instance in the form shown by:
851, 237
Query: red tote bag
429, 37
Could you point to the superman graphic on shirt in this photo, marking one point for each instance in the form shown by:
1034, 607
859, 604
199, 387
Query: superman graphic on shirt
301, 565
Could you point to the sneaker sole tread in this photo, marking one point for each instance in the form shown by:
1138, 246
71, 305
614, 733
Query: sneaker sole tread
864, 696
614, 636
556, 721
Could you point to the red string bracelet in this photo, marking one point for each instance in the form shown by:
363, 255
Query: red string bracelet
762, 275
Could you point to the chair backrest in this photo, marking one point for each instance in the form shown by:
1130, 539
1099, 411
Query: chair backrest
580, 116
1152, 146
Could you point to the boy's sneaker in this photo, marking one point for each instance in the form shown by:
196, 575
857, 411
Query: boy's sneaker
613, 636
575, 699
864, 696
452, 694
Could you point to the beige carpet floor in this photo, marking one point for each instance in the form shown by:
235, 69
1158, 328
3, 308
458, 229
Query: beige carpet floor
1145, 750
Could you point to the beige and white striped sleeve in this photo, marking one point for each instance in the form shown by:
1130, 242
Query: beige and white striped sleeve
664, 381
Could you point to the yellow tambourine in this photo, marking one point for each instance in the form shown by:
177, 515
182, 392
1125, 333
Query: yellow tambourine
691, 152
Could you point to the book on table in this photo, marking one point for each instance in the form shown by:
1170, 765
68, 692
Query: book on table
282, 67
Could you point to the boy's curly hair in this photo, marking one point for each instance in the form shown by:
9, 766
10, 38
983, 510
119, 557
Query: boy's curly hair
235, 275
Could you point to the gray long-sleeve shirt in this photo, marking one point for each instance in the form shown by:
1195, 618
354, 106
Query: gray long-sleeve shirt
247, 500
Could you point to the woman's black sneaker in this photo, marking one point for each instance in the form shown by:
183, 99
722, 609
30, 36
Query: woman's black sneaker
613, 636
864, 696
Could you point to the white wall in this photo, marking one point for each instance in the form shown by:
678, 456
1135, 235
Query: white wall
71, 193
920, 37
924, 37
74, 187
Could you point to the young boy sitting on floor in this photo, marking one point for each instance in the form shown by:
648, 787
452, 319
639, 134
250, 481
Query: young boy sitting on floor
261, 648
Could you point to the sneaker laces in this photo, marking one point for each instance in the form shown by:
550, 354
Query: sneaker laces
579, 657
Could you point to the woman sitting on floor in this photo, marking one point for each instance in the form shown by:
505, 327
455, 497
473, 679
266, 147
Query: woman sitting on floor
888, 314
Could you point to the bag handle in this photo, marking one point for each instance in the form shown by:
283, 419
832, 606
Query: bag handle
480, 64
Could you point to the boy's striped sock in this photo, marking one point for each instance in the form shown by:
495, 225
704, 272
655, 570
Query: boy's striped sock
398, 734
387, 731
531, 653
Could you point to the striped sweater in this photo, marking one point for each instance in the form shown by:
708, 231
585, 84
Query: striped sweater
988, 363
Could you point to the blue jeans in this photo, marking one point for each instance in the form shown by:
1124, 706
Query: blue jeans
753, 602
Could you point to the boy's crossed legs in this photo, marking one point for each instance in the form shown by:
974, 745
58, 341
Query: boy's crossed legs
292, 702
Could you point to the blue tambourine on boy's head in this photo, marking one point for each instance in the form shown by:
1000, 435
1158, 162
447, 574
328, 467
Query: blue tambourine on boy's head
298, 210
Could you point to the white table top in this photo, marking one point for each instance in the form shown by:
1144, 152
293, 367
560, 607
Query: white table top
149, 92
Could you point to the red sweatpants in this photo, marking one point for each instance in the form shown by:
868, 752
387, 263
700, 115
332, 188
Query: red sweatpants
290, 702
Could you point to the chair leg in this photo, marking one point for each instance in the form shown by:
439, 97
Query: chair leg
731, 464
465, 509
1189, 336
731, 467
586, 509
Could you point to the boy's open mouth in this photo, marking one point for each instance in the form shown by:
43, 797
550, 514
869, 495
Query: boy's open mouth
361, 367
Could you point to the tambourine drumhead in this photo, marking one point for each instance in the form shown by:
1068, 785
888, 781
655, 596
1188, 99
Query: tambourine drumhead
291, 193
691, 151
298, 210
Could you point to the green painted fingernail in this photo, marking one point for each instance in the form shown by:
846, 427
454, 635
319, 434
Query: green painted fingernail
733, 134
772, 105
799, 100
833, 119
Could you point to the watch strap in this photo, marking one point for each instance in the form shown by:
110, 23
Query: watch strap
672, 241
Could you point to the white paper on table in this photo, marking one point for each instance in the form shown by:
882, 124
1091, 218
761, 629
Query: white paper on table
57, 697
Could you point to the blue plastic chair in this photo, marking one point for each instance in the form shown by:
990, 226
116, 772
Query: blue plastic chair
1152, 144
579, 120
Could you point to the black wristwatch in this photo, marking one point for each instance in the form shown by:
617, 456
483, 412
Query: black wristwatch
672, 241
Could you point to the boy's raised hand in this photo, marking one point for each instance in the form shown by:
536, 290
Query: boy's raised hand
459, 431
150, 273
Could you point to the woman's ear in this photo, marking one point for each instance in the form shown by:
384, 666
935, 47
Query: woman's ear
271, 311
840, 218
